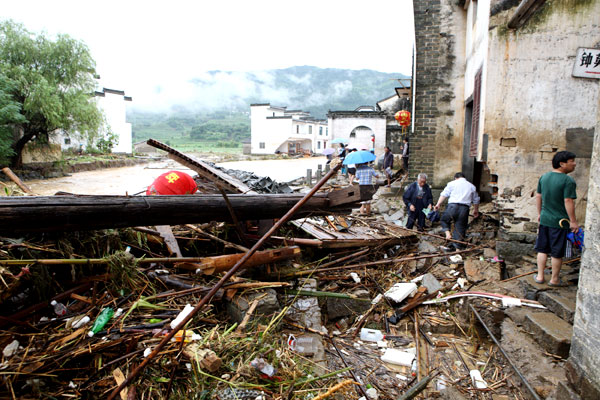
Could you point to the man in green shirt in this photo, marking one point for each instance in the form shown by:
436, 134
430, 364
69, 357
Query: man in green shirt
555, 200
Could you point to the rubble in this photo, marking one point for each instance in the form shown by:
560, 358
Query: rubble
286, 325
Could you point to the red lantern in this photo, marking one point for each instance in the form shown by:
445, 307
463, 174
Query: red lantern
403, 117
172, 182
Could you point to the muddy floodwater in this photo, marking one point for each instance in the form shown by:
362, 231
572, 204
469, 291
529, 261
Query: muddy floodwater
131, 180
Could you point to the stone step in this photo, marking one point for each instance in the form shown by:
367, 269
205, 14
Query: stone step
564, 392
560, 303
551, 332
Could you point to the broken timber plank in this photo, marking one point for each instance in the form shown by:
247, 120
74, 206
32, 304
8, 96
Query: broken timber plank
203, 169
167, 234
211, 265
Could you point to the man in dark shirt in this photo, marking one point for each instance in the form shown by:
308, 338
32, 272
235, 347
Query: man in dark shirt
417, 197
388, 164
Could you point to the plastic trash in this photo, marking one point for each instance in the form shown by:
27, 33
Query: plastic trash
511, 302
186, 335
11, 349
355, 277
78, 323
263, 366
104, 316
59, 308
184, 313
377, 299
477, 379
456, 258
371, 335
401, 291
398, 357
303, 344
372, 394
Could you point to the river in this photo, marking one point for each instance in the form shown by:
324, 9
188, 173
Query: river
131, 180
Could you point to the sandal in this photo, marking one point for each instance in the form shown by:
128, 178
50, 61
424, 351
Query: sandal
559, 284
535, 279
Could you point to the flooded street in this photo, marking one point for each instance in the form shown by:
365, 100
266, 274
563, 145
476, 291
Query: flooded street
131, 180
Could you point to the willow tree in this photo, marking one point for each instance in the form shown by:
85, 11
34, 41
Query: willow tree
51, 81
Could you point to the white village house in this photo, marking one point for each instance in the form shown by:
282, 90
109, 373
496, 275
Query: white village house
276, 129
113, 103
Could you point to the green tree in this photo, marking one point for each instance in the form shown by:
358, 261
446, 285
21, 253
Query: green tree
10, 116
54, 81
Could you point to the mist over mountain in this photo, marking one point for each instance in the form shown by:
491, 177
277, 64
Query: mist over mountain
303, 87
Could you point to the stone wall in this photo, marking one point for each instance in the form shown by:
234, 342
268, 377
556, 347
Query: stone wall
534, 107
584, 361
436, 144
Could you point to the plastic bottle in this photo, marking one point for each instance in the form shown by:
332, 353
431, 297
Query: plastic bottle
59, 308
304, 344
184, 313
104, 316
263, 366
371, 335
80, 322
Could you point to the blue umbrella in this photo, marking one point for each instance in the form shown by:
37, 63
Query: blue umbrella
339, 140
359, 157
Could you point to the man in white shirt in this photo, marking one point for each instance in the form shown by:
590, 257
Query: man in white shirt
460, 194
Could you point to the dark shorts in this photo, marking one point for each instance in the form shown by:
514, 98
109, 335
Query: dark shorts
367, 192
551, 241
352, 171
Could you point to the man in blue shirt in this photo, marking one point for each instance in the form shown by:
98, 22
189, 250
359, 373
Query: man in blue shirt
417, 197
460, 194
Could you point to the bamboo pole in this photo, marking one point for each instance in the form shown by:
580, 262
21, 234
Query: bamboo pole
16, 180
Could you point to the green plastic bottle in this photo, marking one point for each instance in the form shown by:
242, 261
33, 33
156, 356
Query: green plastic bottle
104, 316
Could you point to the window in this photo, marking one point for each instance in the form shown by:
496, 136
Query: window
318, 145
273, 114
261, 145
310, 129
326, 131
353, 135
320, 130
67, 140
297, 128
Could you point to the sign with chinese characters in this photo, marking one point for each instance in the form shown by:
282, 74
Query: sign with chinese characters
587, 63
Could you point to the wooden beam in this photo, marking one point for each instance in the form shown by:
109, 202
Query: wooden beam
524, 11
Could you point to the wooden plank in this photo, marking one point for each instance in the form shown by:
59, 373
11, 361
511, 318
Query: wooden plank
62, 213
212, 265
203, 169
167, 234
350, 194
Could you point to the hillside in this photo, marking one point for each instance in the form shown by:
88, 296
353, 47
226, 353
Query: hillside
218, 109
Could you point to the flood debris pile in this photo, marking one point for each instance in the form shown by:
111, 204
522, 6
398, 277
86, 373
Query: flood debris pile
337, 306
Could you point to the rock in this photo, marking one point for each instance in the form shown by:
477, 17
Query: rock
397, 216
426, 247
477, 270
489, 253
381, 206
337, 307
431, 283
306, 310
267, 305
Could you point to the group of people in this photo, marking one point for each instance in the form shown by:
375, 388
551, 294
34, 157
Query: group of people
555, 202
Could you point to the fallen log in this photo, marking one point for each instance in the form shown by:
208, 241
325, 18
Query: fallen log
67, 213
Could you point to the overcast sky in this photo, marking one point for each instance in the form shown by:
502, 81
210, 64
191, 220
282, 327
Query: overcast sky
142, 45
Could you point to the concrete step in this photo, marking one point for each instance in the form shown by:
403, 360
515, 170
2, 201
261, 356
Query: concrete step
552, 333
560, 303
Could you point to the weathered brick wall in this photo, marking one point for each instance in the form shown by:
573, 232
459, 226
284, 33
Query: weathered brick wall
437, 139
584, 360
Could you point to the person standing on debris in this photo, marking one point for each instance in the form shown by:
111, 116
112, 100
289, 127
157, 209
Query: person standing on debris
417, 197
351, 170
342, 154
460, 194
405, 153
365, 175
388, 164
555, 200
